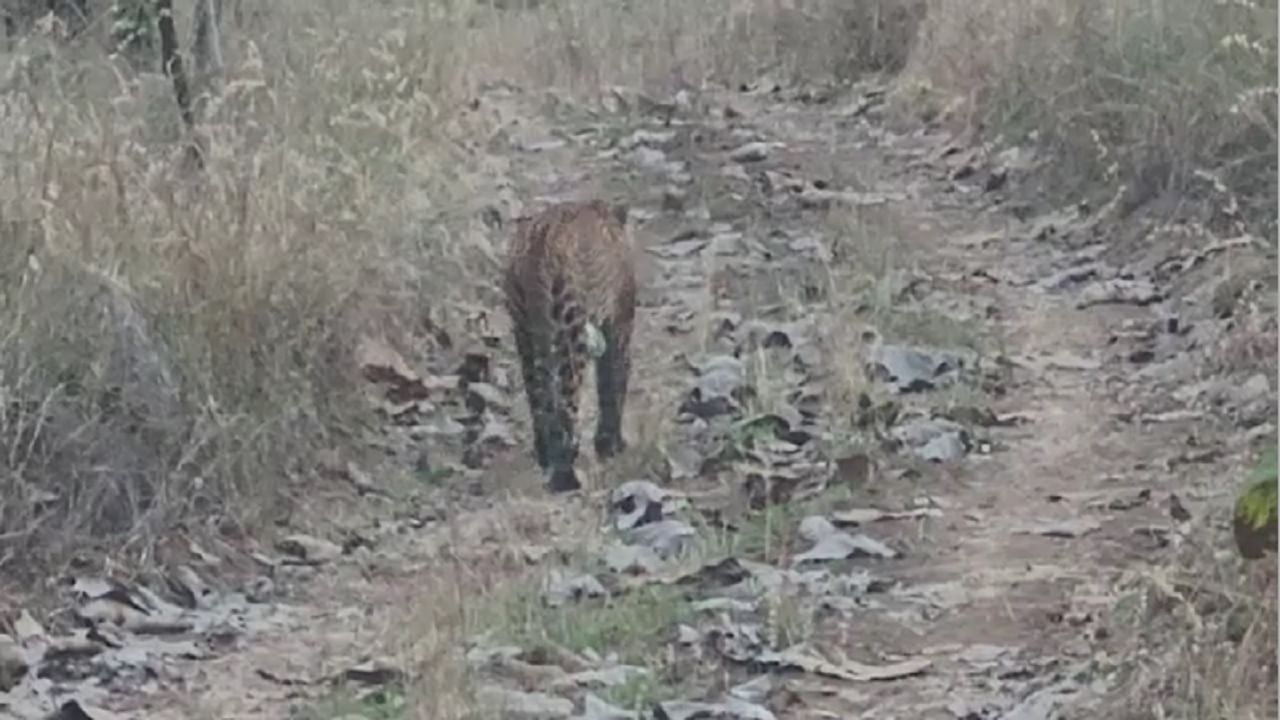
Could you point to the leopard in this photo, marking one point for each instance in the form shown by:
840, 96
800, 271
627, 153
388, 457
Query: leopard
570, 290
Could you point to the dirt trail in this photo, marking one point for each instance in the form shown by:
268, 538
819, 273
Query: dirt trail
1005, 592
1004, 589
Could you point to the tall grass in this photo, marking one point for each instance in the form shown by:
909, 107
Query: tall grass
176, 346
1170, 98
668, 45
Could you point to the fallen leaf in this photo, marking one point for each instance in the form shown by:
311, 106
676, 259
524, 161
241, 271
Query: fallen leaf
516, 705
561, 588
1074, 528
593, 708
864, 516
381, 364
730, 709
309, 550
798, 659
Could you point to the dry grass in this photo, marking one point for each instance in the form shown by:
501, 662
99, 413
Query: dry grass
482, 593
178, 346
1173, 99
1199, 639
670, 45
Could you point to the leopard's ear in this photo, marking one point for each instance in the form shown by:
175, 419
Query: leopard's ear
619, 212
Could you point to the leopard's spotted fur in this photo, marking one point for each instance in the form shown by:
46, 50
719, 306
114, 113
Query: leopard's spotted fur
570, 280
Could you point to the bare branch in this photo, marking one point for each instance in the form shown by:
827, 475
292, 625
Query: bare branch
171, 63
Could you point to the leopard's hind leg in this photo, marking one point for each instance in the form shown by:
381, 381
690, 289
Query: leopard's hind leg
533, 352
566, 366
613, 369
